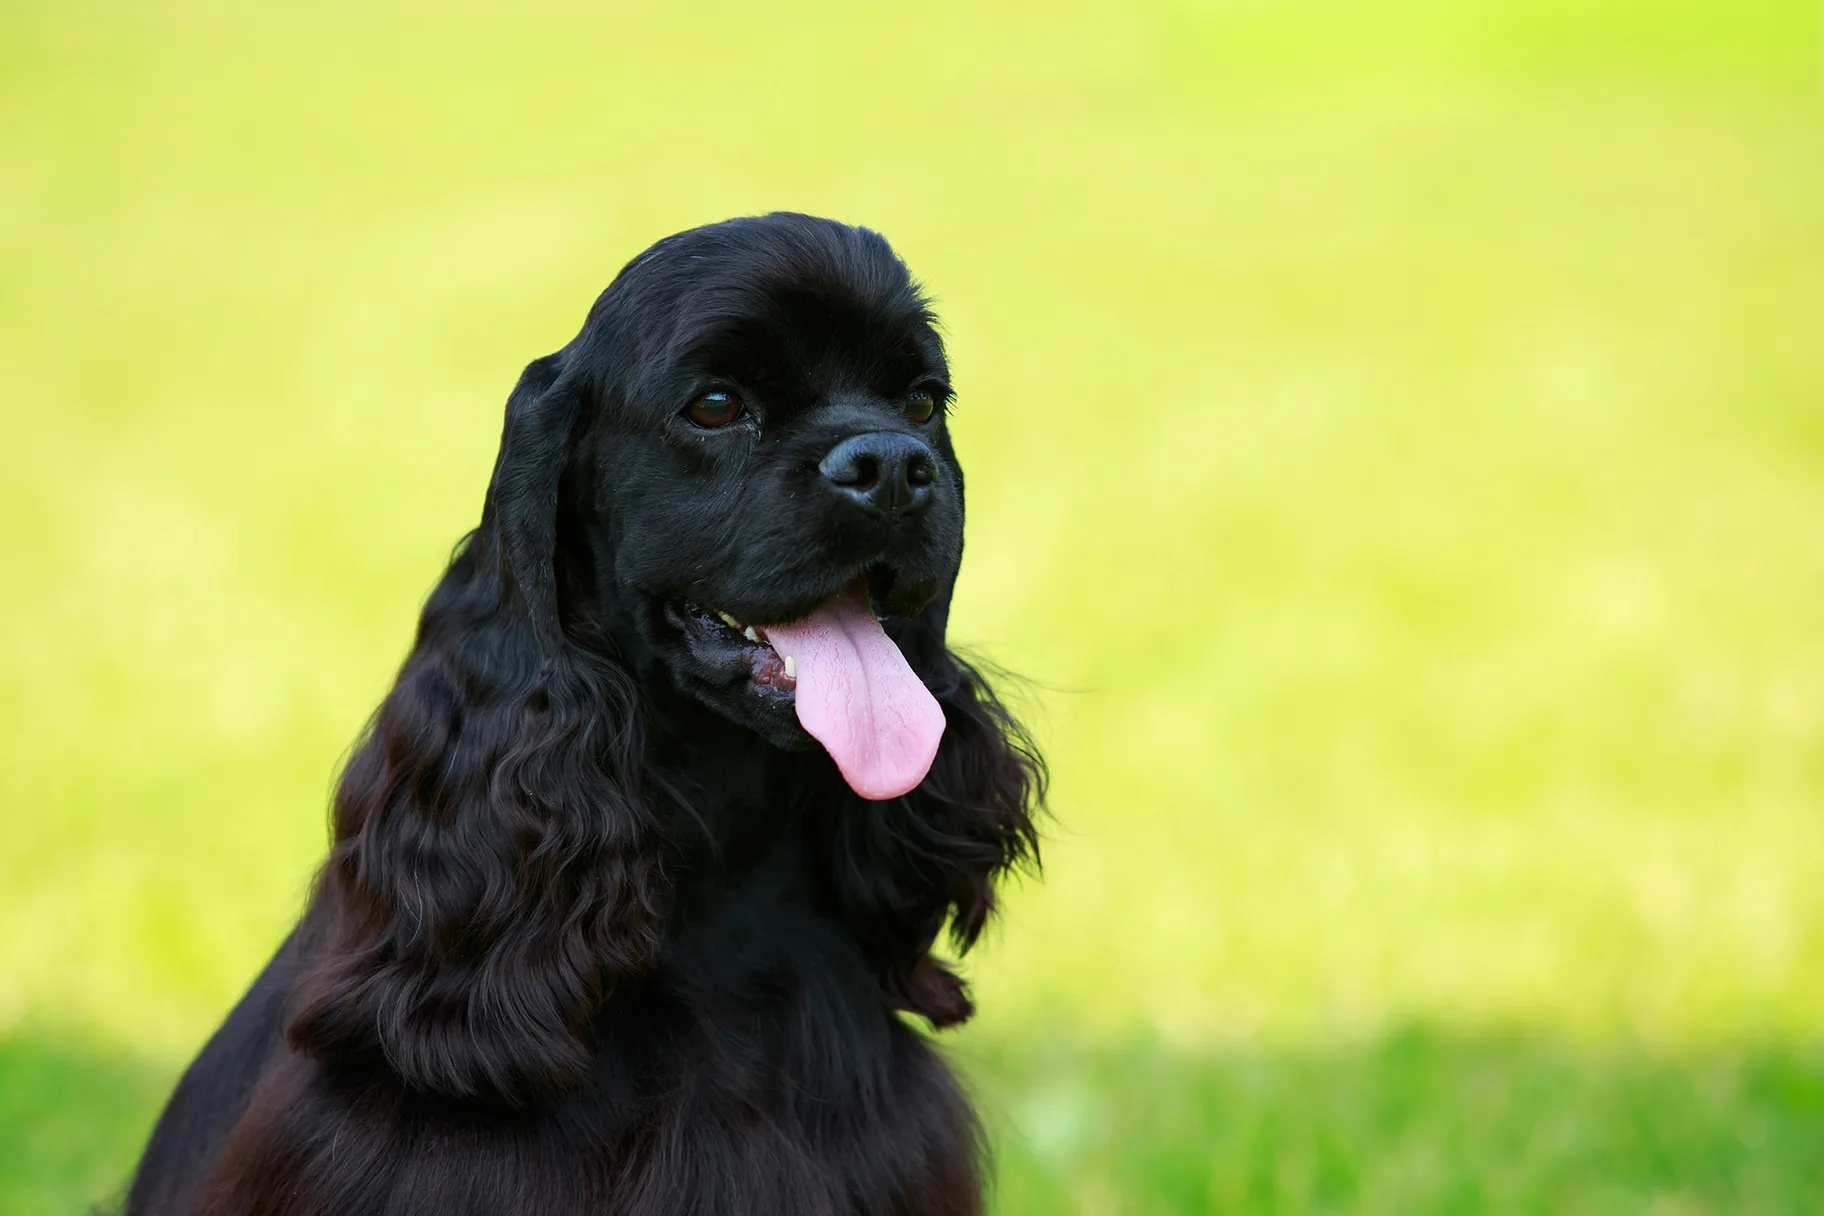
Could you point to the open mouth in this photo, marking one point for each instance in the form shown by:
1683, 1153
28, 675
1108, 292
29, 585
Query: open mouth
768, 669
773, 671
848, 683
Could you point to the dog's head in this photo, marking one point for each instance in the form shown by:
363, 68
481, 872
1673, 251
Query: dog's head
733, 492
746, 445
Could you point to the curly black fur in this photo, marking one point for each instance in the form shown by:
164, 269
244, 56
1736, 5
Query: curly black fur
599, 931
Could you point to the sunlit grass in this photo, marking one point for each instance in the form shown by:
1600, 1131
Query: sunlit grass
1396, 448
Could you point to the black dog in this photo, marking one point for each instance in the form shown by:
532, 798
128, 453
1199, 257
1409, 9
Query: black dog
603, 929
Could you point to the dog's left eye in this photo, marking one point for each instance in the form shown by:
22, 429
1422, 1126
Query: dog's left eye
920, 405
716, 409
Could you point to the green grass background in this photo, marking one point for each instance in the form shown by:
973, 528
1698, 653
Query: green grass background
1396, 448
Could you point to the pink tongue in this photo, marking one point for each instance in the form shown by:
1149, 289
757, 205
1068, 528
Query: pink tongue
858, 697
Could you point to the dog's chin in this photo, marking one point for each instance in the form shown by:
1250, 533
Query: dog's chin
725, 661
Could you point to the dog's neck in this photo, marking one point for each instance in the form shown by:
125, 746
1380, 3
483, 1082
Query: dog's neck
726, 792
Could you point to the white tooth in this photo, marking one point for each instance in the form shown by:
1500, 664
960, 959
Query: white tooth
730, 621
791, 668
751, 635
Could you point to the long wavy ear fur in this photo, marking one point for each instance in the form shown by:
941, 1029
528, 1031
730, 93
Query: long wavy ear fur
904, 867
495, 869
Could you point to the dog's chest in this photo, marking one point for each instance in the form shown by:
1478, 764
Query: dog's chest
765, 1090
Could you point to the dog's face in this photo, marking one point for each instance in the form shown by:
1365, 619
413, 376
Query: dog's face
767, 445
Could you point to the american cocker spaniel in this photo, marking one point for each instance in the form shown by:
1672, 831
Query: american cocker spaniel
643, 857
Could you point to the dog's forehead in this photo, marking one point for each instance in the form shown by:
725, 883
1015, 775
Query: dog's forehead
790, 306
793, 332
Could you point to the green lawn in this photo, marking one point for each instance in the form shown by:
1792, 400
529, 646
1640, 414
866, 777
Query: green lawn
1396, 448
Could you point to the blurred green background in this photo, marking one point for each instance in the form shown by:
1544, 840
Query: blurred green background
1396, 448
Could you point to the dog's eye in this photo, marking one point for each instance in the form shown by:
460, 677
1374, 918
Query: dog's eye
920, 405
715, 409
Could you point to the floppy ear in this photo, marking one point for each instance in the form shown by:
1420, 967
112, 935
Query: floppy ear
496, 868
901, 868
522, 498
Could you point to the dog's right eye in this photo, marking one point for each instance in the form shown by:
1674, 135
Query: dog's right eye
715, 409
920, 404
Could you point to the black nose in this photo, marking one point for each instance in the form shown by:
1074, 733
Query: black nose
882, 472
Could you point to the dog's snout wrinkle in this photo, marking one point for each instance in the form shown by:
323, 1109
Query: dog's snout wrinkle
884, 473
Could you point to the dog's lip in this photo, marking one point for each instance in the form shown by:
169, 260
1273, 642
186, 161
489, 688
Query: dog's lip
890, 593
733, 644
729, 642
737, 643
